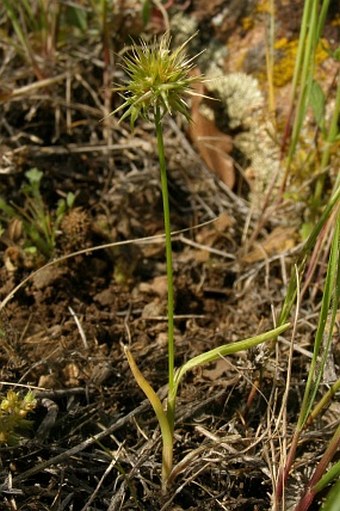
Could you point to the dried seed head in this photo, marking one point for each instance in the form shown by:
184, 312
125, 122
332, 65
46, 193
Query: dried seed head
76, 229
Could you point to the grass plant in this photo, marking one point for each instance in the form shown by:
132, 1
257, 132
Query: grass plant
158, 80
35, 25
321, 348
41, 26
40, 226
307, 92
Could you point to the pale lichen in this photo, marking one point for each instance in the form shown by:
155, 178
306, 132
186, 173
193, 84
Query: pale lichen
239, 93
183, 27
244, 104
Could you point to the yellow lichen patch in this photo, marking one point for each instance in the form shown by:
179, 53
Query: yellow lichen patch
264, 6
247, 23
336, 21
285, 57
285, 53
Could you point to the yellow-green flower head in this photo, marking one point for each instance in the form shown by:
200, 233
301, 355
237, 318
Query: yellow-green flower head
158, 80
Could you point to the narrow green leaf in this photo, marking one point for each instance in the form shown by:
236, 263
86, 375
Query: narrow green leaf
8, 210
14, 17
146, 11
146, 387
332, 502
227, 349
70, 198
326, 323
317, 101
160, 414
331, 475
76, 17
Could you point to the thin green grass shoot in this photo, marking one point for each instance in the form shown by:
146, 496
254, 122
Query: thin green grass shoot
322, 345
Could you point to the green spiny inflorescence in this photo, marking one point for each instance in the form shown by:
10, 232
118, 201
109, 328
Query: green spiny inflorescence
157, 78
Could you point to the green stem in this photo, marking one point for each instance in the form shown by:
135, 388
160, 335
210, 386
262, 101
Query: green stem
317, 482
168, 250
311, 28
307, 67
332, 134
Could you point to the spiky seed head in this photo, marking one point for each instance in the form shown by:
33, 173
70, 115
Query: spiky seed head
158, 78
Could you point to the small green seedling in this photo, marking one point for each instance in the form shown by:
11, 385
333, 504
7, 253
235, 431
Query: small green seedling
39, 224
158, 81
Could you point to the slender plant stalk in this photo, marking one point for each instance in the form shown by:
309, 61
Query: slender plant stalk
316, 483
333, 474
332, 134
306, 77
312, 24
322, 343
308, 247
321, 405
270, 36
158, 79
323, 334
296, 78
169, 266
170, 413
